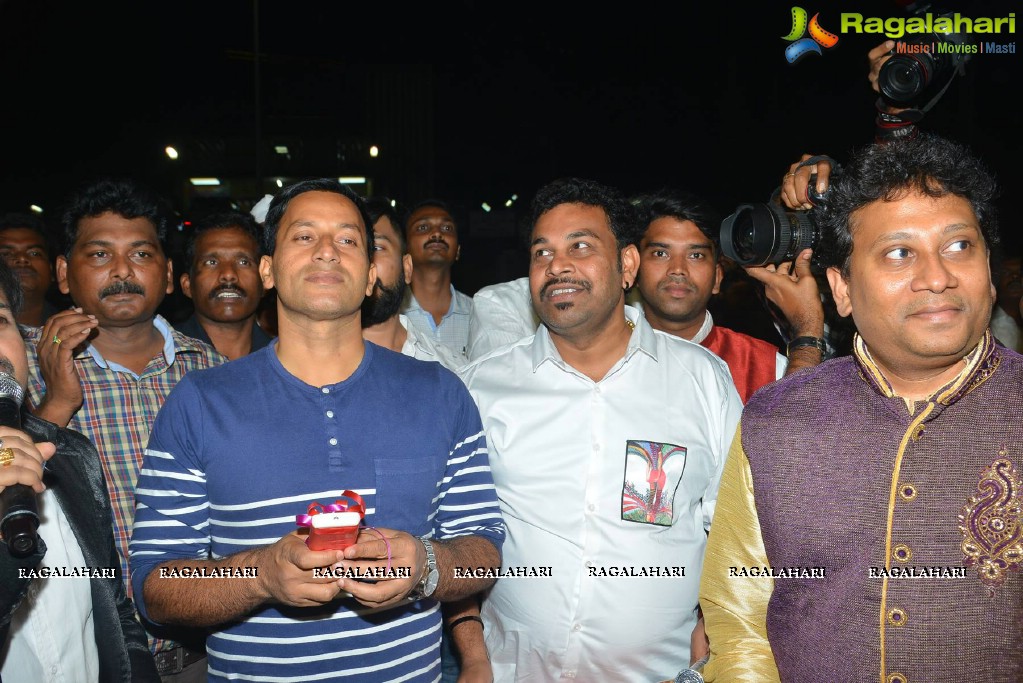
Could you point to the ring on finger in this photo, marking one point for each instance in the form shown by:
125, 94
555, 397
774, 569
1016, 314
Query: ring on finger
56, 340
6, 457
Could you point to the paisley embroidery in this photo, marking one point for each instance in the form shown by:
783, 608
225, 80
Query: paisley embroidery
992, 523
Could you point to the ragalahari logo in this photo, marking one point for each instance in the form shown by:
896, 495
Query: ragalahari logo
801, 47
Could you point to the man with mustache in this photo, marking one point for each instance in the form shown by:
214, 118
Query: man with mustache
222, 254
680, 270
25, 245
106, 366
382, 324
607, 440
895, 472
433, 305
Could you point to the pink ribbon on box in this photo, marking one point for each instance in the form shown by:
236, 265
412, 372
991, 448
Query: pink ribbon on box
355, 504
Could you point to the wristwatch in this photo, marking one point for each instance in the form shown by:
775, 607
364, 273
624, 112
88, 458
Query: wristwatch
428, 584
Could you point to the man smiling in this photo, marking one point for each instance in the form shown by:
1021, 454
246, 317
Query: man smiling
906, 454
607, 440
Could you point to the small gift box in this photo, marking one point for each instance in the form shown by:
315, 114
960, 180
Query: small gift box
335, 526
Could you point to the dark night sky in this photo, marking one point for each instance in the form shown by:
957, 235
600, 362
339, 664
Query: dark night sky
648, 94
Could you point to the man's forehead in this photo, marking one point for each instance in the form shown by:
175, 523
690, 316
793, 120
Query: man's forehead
565, 220
232, 237
430, 213
317, 206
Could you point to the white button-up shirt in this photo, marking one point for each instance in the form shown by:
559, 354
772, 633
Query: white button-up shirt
607, 484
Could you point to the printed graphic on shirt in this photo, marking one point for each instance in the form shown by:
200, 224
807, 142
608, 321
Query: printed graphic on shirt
653, 471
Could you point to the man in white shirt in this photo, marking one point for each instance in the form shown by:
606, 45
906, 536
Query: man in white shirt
607, 440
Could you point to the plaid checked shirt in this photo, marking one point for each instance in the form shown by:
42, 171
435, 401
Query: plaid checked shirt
118, 412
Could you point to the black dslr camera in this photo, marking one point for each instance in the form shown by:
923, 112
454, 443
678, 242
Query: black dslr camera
922, 67
759, 234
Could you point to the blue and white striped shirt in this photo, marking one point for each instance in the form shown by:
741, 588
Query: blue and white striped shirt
238, 451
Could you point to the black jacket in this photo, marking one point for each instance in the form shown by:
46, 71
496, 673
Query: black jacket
76, 478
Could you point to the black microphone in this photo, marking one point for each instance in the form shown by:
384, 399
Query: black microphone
19, 516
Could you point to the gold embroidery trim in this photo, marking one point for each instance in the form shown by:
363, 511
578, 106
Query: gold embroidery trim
902, 553
991, 523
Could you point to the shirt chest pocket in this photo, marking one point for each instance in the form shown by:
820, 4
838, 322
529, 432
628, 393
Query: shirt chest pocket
406, 489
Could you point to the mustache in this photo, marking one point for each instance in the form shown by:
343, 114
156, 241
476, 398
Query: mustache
122, 287
227, 288
582, 284
437, 240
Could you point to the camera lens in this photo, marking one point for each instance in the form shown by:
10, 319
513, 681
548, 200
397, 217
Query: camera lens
758, 234
902, 79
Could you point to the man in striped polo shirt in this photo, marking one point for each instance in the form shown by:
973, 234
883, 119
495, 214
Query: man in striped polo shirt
237, 453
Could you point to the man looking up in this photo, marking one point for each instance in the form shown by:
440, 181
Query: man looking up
223, 283
224, 479
896, 470
680, 270
433, 305
382, 324
105, 366
607, 440
25, 245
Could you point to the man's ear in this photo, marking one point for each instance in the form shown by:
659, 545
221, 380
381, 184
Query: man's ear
186, 285
630, 265
170, 277
840, 291
458, 252
719, 275
406, 268
61, 268
371, 279
266, 271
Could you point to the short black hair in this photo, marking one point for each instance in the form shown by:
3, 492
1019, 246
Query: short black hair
927, 163
378, 207
224, 220
11, 286
27, 221
440, 204
682, 206
122, 196
621, 215
280, 204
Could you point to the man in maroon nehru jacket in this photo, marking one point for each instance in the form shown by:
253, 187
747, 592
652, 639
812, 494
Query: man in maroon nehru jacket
869, 524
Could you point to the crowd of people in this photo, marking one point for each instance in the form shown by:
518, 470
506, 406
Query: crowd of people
578, 474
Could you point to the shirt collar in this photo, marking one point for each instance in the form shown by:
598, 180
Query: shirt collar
168, 345
701, 334
458, 305
980, 364
643, 339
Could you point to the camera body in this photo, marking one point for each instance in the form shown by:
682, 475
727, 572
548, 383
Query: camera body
922, 67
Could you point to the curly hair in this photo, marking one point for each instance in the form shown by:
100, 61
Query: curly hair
621, 215
928, 164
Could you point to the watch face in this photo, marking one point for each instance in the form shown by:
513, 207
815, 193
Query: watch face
432, 578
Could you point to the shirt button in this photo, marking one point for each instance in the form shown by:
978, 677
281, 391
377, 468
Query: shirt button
325, 390
330, 413
568, 674
591, 507
333, 442
577, 627
589, 563
596, 446
597, 389
54, 669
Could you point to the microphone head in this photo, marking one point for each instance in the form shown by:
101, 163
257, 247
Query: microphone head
10, 388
